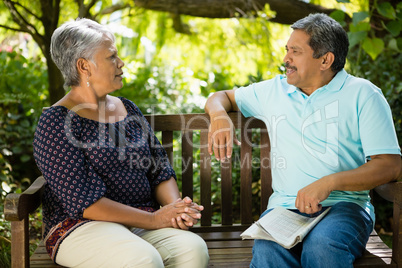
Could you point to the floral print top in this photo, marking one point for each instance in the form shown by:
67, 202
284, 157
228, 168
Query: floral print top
83, 160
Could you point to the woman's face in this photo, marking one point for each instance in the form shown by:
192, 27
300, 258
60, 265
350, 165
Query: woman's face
106, 73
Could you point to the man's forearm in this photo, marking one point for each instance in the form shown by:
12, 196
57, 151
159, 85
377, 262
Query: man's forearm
381, 169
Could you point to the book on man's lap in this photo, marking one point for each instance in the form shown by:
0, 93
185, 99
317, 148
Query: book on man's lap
283, 226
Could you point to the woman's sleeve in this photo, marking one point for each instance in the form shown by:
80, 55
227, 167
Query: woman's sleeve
61, 160
160, 169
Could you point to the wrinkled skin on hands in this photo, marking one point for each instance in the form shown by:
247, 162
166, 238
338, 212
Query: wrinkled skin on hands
181, 214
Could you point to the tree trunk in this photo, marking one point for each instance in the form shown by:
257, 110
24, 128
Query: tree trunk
287, 11
56, 81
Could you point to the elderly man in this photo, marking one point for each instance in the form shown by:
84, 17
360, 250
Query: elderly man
326, 124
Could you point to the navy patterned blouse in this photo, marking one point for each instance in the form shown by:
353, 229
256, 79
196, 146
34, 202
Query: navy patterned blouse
83, 160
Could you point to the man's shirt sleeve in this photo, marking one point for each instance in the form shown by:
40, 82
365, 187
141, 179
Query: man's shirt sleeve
254, 99
376, 127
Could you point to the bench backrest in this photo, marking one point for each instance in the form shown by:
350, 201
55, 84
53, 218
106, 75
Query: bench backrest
187, 125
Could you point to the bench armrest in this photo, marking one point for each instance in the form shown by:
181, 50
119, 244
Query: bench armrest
391, 191
18, 206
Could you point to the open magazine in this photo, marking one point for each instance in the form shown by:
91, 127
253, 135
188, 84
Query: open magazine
282, 226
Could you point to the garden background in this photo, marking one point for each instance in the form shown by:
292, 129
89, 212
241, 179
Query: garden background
177, 53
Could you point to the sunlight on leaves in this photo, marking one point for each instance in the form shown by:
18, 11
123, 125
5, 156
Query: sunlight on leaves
373, 46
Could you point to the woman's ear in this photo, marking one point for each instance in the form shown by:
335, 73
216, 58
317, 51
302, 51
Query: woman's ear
327, 60
83, 67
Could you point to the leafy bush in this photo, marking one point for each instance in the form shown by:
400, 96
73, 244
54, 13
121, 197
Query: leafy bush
23, 83
23, 95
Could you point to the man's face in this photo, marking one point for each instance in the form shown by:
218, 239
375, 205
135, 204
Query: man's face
302, 70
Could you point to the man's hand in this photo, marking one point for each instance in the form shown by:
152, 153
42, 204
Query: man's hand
308, 198
221, 136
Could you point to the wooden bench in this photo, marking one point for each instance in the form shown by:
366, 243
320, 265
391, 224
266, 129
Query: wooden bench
224, 243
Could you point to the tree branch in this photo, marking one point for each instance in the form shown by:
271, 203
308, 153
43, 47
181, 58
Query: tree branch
287, 11
113, 8
12, 29
83, 10
20, 20
28, 11
90, 5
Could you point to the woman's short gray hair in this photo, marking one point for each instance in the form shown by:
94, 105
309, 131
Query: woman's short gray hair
326, 35
73, 40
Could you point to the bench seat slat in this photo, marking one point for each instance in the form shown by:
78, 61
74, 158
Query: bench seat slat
235, 235
227, 246
230, 244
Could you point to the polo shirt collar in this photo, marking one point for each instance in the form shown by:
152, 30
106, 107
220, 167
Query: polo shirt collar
337, 82
334, 85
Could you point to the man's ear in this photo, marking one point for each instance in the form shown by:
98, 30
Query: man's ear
327, 60
83, 67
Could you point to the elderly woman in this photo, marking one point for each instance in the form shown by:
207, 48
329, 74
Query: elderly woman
111, 198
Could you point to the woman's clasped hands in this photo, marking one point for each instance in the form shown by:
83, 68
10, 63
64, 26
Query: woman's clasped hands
181, 214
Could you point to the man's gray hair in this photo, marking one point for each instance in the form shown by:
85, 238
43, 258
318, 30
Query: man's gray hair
326, 35
73, 40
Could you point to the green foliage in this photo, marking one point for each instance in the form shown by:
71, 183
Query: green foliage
23, 83
21, 101
364, 27
5, 243
216, 55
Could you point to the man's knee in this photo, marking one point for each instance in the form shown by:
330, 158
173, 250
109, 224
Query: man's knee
270, 254
323, 251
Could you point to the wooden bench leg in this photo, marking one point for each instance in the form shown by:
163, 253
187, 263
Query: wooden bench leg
397, 237
20, 244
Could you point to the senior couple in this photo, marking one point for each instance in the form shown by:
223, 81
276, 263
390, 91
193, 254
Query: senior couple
100, 210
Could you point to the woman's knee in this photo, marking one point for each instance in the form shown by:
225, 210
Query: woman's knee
199, 250
186, 249
129, 254
148, 257
195, 251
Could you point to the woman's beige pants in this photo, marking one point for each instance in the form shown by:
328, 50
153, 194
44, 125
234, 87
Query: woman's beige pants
104, 244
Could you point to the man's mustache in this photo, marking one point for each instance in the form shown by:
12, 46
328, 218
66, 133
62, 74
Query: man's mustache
287, 65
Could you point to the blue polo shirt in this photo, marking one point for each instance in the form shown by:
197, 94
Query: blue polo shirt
334, 129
